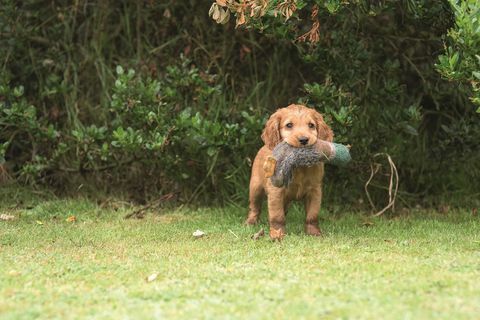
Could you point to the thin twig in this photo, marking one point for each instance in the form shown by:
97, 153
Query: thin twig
392, 191
140, 212
372, 174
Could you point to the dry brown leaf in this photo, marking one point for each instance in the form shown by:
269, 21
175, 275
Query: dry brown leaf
367, 224
14, 273
167, 14
287, 8
212, 8
219, 14
216, 13
224, 16
240, 19
258, 235
246, 49
444, 208
198, 234
313, 35
152, 277
6, 217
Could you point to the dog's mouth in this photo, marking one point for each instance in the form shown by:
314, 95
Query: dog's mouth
300, 144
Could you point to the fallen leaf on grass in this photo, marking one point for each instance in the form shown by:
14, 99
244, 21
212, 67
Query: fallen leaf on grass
71, 219
444, 208
405, 243
152, 277
198, 234
14, 273
39, 222
6, 217
367, 224
258, 235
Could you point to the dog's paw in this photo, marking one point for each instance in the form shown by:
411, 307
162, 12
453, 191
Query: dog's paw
313, 230
277, 234
251, 221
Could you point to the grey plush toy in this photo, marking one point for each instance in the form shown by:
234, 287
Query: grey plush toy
285, 158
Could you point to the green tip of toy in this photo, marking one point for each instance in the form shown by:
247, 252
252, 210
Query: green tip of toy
342, 155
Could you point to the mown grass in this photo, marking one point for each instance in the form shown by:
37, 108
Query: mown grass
420, 265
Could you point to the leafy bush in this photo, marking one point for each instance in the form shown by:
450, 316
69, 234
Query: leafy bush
373, 76
461, 61
186, 148
26, 138
170, 126
152, 97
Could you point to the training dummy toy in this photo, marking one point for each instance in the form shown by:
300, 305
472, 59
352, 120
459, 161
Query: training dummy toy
285, 158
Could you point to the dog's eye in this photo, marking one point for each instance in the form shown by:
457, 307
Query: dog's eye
311, 125
289, 125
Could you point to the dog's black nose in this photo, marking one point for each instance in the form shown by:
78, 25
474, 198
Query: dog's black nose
303, 140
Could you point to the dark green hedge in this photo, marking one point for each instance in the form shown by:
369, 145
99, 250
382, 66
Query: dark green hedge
154, 97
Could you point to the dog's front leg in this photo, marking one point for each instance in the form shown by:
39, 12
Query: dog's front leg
276, 214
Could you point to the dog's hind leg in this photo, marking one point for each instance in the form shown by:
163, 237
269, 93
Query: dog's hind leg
312, 203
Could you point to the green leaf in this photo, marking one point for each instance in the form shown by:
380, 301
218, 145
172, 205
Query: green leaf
410, 130
211, 151
18, 91
454, 59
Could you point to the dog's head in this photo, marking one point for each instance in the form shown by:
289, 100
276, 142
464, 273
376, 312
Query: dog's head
297, 125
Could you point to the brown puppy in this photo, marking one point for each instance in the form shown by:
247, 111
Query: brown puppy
299, 126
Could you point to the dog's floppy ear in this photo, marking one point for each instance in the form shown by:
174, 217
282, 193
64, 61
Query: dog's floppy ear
323, 130
271, 133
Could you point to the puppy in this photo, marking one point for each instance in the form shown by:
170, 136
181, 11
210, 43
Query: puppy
299, 126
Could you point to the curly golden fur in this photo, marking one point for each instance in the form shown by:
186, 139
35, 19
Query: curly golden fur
299, 126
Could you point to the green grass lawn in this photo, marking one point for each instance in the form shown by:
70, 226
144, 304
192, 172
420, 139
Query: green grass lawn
421, 265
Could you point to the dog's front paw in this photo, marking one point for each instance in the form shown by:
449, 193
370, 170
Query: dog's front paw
277, 234
251, 221
313, 230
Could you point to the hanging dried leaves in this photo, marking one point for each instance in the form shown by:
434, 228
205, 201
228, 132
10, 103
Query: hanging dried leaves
221, 9
244, 10
257, 8
286, 8
218, 13
313, 35
240, 19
